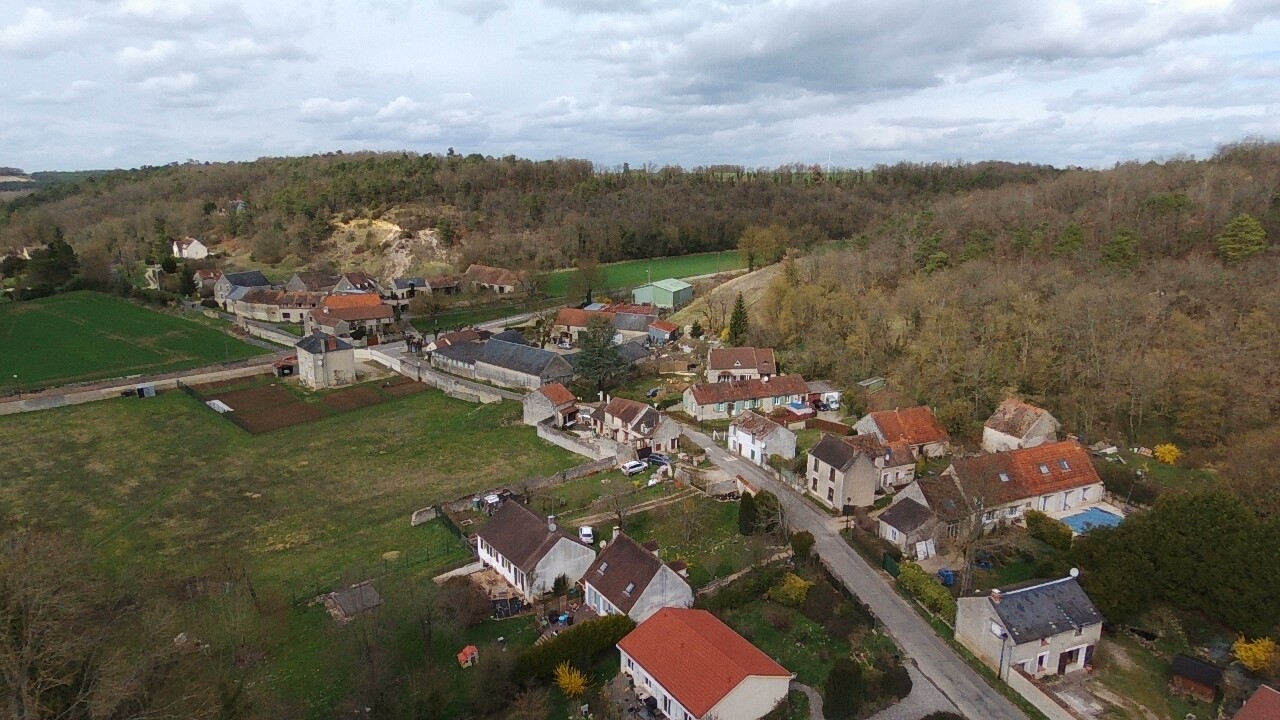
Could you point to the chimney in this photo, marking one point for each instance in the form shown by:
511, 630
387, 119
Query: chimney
995, 596
616, 530
551, 523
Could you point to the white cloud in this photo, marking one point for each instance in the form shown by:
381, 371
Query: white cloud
322, 110
39, 32
78, 90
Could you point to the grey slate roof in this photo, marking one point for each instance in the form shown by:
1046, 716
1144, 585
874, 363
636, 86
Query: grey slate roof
464, 352
834, 452
633, 351
520, 358
357, 599
317, 343
1045, 609
521, 536
238, 292
632, 322
404, 283
511, 336
906, 515
247, 278
623, 565
1196, 669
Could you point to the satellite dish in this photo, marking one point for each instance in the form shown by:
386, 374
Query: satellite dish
1075, 572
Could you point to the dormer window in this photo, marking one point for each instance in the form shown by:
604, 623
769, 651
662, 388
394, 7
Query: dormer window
1044, 469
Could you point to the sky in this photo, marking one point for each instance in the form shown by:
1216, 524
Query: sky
90, 84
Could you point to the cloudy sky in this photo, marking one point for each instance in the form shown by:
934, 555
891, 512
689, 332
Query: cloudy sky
122, 83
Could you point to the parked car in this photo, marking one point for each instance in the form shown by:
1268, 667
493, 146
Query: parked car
587, 534
659, 459
820, 406
633, 467
653, 392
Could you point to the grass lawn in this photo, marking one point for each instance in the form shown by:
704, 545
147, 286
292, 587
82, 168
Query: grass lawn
466, 317
801, 645
87, 336
1169, 477
1138, 680
632, 273
715, 549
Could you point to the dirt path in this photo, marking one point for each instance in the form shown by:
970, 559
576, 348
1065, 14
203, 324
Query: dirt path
639, 507
752, 285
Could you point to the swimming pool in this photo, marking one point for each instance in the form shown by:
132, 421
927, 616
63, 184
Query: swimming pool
1083, 522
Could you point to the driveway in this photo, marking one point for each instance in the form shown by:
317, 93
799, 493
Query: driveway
953, 678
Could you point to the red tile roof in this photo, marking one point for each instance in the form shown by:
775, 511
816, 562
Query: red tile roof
697, 658
576, 317
665, 326
353, 300
1015, 418
558, 394
488, 275
1263, 704
755, 388
1007, 477
914, 425
743, 358
208, 274
642, 309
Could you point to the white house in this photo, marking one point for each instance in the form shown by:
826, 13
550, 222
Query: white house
495, 279
719, 400
916, 426
530, 551
756, 437
325, 361
1041, 628
630, 578
636, 425
1016, 424
740, 363
190, 249
850, 471
696, 668
1050, 478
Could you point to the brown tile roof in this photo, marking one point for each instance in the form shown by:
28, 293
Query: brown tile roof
461, 336
283, 298
781, 385
944, 497
558, 394
622, 571
362, 280
352, 300
314, 280
520, 535
914, 425
665, 326
1007, 477
328, 316
1015, 418
755, 424
576, 317
186, 242
761, 359
697, 658
633, 309
208, 274
488, 275
637, 416
1263, 704
444, 281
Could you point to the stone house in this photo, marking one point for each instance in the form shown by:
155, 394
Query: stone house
357, 282
1016, 424
720, 400
1038, 627
325, 361
636, 425
850, 471
310, 280
630, 578
740, 363
493, 279
232, 280
756, 437
915, 426
344, 314
530, 551
554, 403
910, 526
271, 305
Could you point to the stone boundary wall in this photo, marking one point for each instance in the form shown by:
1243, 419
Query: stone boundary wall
76, 398
266, 332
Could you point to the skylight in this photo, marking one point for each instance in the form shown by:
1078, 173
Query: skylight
603, 566
1063, 464
630, 587
1004, 477
1044, 469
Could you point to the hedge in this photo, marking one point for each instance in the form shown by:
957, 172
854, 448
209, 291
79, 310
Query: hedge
928, 590
581, 645
1044, 528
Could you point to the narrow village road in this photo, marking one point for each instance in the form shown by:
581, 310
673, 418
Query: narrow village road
959, 683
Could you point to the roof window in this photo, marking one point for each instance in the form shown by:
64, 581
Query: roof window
1004, 477
1044, 469
630, 587
603, 566
1063, 464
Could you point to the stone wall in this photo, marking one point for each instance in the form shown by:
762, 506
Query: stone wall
266, 332
595, 449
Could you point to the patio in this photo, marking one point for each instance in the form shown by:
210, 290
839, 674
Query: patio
623, 695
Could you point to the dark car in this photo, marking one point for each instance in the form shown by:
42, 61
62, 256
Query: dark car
658, 459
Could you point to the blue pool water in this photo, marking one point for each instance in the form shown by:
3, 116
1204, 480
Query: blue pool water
1083, 522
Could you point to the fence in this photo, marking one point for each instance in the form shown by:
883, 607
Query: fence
228, 416
828, 426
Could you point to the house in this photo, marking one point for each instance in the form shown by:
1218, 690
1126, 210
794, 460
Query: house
629, 578
1042, 628
310, 280
460, 336
915, 426
636, 425
458, 358
357, 282
742, 363
572, 322
666, 294
190, 249
402, 290
445, 285
909, 525
1195, 678
230, 281
1049, 478
553, 402
1016, 424
345, 314
494, 279
851, 471
206, 279
509, 364
633, 351
271, 305
695, 667
756, 437
530, 551
345, 604
1263, 704
945, 501
719, 400
325, 361
662, 332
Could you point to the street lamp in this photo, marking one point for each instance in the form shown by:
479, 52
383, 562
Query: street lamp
1002, 674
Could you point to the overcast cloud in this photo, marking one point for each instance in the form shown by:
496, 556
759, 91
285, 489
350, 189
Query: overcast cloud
123, 83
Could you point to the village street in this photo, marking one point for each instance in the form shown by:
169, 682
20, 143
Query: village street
937, 661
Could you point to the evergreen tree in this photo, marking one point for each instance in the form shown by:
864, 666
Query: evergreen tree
599, 361
695, 330
747, 514
187, 281
1122, 252
169, 264
738, 322
844, 690
1069, 242
54, 265
1244, 236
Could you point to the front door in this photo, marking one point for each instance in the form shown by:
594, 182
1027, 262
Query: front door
1064, 660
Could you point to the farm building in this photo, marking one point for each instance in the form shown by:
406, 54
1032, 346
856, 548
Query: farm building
509, 364
312, 281
554, 403
347, 603
665, 294
325, 361
494, 279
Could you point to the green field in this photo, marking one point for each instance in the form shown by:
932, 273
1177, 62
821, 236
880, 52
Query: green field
88, 336
632, 273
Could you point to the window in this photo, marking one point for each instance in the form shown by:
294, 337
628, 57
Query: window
815, 464
1079, 631
997, 630
1044, 469
666, 705
831, 494
1041, 659
831, 475
1011, 512
815, 484
287, 316
603, 566
1064, 465
720, 407
628, 589
631, 665
893, 534
1004, 477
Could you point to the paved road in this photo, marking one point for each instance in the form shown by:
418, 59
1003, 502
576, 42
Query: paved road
959, 683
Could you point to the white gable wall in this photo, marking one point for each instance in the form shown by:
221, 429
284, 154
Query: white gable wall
567, 558
666, 589
754, 698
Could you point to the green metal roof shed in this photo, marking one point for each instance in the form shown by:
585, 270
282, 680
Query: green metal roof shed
668, 294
